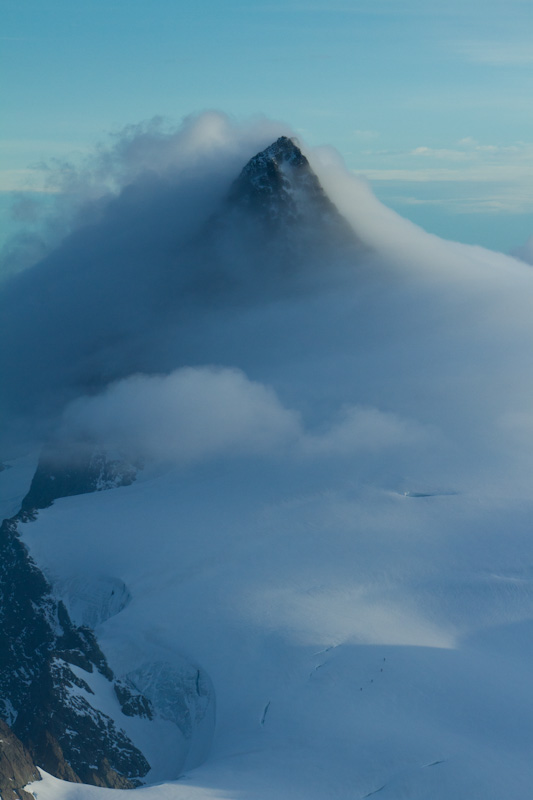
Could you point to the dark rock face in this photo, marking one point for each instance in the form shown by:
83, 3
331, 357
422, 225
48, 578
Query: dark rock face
132, 702
42, 696
265, 182
42, 653
16, 766
279, 186
276, 233
69, 470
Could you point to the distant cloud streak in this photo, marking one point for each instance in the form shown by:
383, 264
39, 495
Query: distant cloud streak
497, 53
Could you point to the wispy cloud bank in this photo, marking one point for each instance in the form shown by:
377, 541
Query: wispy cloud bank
497, 53
25, 180
493, 178
201, 413
525, 252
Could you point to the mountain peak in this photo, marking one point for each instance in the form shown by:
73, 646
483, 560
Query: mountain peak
283, 150
279, 185
268, 178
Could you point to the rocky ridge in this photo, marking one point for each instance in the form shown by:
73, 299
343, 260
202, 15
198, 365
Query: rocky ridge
17, 768
42, 696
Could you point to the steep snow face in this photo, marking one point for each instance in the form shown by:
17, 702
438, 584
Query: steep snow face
92, 599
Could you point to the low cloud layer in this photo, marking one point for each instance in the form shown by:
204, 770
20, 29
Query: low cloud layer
526, 251
362, 430
184, 417
196, 414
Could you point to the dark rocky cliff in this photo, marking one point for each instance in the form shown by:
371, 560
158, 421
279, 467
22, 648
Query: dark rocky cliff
279, 186
17, 768
43, 698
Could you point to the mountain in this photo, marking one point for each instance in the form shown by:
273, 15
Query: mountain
281, 547
16, 766
271, 235
48, 663
134, 288
53, 710
280, 188
44, 657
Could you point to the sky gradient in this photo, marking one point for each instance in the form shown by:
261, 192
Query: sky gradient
431, 102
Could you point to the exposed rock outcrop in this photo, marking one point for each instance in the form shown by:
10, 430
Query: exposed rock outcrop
17, 768
42, 696
279, 185
277, 232
66, 469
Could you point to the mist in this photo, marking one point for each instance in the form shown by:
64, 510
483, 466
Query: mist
169, 326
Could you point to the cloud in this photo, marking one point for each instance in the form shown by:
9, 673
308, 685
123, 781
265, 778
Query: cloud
201, 156
496, 53
465, 198
164, 324
525, 252
364, 429
366, 134
25, 180
443, 153
482, 162
186, 416
489, 178
481, 174
124, 274
201, 413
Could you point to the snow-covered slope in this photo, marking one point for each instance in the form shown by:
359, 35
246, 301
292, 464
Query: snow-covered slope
322, 578
356, 637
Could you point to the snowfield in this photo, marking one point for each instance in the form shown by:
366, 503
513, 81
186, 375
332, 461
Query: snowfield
322, 578
357, 639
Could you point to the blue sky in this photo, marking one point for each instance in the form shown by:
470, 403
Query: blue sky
431, 101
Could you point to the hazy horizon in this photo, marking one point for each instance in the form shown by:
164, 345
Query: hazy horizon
428, 102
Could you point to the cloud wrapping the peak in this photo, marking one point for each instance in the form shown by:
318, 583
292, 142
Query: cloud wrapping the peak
107, 300
168, 326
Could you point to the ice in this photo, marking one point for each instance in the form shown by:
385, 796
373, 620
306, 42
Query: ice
183, 694
92, 600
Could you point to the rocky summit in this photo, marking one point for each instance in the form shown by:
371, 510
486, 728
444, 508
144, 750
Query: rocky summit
279, 186
275, 231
